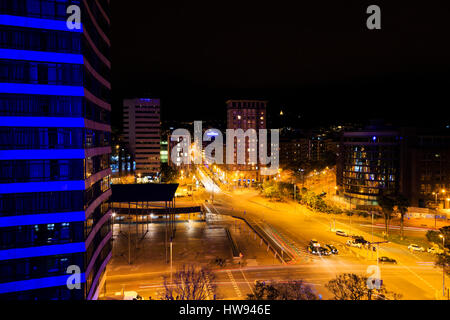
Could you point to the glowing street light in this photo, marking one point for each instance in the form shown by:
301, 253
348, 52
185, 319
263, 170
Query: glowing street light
443, 265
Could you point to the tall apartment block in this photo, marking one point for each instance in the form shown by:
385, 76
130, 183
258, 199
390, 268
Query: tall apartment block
245, 114
414, 162
54, 149
142, 126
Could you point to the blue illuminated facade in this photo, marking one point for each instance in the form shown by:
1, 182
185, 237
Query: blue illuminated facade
55, 146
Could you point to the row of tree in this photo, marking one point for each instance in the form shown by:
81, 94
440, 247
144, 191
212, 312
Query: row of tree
277, 190
388, 202
197, 283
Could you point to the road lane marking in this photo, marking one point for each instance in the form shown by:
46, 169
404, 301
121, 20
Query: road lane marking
234, 284
248, 283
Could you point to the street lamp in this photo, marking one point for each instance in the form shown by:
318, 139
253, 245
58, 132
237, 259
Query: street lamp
443, 265
113, 215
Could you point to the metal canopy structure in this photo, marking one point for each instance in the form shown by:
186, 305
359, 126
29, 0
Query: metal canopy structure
148, 192
141, 196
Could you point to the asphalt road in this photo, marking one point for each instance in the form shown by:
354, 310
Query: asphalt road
415, 276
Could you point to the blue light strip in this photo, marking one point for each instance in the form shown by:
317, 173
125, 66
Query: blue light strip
31, 252
53, 186
36, 23
43, 89
46, 122
41, 56
38, 283
42, 219
50, 154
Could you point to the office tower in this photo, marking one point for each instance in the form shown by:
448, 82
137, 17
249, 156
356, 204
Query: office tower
245, 114
414, 162
54, 149
142, 133
369, 162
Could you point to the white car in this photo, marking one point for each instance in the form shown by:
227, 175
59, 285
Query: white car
415, 247
435, 250
341, 233
129, 295
352, 243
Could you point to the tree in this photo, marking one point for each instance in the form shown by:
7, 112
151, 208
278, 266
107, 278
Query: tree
290, 290
189, 283
350, 286
387, 203
402, 206
443, 261
169, 174
433, 236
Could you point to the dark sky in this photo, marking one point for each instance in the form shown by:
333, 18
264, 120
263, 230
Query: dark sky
313, 58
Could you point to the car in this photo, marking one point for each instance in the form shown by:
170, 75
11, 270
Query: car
129, 295
314, 243
435, 250
387, 260
359, 239
314, 250
332, 248
415, 247
341, 233
352, 243
324, 251
319, 251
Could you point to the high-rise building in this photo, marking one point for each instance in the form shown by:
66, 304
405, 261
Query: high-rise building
246, 114
425, 167
54, 149
142, 126
414, 162
369, 162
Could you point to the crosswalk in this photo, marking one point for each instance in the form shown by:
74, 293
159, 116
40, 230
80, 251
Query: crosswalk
234, 284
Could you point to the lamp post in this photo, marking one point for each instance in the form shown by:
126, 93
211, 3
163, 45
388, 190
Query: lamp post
350, 213
435, 194
372, 235
171, 261
113, 222
443, 265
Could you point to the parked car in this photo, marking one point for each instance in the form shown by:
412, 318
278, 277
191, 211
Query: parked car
341, 233
324, 251
314, 250
332, 248
359, 239
387, 260
352, 243
435, 250
129, 295
415, 247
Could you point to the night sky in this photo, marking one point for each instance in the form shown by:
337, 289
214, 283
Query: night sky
314, 59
